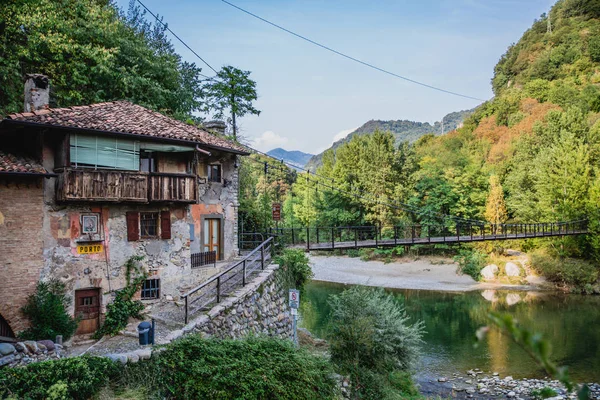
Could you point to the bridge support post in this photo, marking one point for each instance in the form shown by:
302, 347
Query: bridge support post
293, 237
307, 238
355, 237
412, 234
332, 239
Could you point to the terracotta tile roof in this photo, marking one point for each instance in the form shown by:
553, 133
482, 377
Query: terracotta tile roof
125, 117
14, 163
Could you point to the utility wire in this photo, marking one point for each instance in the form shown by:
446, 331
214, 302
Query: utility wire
178, 38
339, 53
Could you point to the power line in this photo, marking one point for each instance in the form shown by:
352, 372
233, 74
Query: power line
178, 38
339, 53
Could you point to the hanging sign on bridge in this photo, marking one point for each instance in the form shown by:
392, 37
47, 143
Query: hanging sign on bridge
276, 209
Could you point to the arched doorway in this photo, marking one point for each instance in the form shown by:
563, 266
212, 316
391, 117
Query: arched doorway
6, 332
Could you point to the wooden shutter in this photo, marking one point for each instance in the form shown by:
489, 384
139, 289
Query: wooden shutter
165, 224
133, 226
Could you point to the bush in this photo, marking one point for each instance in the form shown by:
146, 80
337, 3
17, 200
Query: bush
370, 337
46, 309
67, 378
568, 271
353, 253
543, 393
294, 268
253, 368
471, 262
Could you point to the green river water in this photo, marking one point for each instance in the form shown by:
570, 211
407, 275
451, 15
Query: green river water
570, 322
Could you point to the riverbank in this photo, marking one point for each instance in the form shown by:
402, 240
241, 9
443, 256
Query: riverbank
422, 274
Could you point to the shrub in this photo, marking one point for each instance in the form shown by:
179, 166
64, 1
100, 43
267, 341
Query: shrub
543, 393
294, 268
69, 378
46, 309
471, 262
370, 337
123, 306
353, 253
569, 271
253, 368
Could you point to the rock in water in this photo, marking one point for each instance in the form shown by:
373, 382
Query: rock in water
512, 269
489, 272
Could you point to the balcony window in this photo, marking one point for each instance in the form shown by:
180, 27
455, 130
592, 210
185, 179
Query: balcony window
149, 224
147, 161
214, 173
104, 152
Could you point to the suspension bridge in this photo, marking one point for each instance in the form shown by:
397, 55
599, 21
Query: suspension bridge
356, 237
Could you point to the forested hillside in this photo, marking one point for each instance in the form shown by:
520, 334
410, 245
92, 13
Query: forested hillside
92, 53
403, 131
531, 154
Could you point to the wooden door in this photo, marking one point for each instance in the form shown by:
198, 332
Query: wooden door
87, 308
212, 235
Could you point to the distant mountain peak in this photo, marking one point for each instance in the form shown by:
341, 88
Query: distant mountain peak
294, 157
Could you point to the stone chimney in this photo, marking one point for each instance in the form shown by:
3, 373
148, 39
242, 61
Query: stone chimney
215, 126
37, 92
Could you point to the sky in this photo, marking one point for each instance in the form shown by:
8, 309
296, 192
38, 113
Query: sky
310, 97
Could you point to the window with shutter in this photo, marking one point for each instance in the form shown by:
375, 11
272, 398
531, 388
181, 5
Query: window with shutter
165, 224
133, 226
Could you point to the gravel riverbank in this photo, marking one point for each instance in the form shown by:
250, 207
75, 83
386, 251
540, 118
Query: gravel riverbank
474, 384
423, 274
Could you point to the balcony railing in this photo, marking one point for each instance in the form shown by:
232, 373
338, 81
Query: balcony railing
125, 186
172, 187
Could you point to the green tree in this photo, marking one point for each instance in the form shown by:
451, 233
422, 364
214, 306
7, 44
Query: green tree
92, 53
495, 208
231, 90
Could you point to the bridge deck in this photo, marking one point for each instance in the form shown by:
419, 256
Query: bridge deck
442, 239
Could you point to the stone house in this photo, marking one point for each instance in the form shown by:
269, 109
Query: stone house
85, 188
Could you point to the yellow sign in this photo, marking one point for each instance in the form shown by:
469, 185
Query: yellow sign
90, 248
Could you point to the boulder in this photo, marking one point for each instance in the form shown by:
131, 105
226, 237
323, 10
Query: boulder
7, 360
6, 349
31, 346
489, 272
512, 269
122, 358
48, 343
20, 346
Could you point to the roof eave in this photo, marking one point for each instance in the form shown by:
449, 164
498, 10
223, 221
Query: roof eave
126, 134
32, 174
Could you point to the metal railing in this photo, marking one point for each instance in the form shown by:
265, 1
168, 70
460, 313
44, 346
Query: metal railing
233, 277
328, 238
204, 258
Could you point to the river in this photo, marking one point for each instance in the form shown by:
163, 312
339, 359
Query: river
570, 322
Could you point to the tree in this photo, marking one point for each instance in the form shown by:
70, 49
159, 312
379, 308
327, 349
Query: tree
231, 90
495, 208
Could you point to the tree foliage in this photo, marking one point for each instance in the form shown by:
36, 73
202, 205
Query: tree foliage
46, 310
231, 91
93, 53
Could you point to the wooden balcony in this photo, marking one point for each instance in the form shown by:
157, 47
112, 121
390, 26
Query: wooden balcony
173, 187
125, 186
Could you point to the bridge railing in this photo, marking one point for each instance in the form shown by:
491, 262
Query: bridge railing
403, 234
233, 277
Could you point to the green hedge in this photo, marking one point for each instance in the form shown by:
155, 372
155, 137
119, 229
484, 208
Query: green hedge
67, 378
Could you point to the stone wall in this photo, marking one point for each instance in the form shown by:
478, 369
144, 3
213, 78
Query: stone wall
21, 242
258, 308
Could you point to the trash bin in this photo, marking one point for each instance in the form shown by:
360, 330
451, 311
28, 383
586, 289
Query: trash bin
144, 332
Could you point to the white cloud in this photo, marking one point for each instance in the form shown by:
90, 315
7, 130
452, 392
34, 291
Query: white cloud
269, 140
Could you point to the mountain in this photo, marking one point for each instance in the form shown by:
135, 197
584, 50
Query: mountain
403, 130
295, 157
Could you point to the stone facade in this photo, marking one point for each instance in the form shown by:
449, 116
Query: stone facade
21, 240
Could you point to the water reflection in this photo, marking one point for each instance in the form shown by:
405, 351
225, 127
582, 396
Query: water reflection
570, 322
